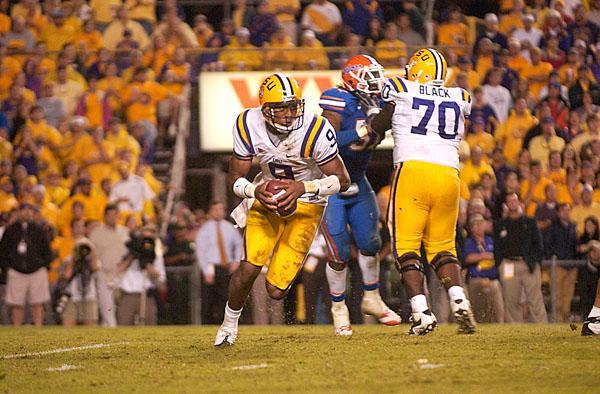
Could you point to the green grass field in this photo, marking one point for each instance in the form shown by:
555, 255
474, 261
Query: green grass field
534, 358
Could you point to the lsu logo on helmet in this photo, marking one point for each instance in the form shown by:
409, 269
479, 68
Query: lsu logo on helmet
427, 66
281, 103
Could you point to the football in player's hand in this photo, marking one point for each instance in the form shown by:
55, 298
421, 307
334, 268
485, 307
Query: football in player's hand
277, 188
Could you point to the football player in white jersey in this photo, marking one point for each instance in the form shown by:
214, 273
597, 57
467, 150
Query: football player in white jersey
427, 122
296, 148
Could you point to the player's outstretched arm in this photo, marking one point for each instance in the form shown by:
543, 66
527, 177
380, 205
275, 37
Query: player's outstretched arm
242, 187
343, 136
382, 122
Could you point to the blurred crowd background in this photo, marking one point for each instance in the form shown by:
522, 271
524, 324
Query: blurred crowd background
91, 100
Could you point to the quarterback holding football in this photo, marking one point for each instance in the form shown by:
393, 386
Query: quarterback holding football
282, 209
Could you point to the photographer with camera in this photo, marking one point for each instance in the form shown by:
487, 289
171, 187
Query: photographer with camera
143, 276
77, 300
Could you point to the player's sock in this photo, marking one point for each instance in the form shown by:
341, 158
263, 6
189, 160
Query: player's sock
418, 303
231, 317
337, 283
456, 293
595, 311
369, 266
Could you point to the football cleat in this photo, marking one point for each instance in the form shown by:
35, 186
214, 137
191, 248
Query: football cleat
341, 319
461, 309
422, 323
591, 326
373, 305
226, 336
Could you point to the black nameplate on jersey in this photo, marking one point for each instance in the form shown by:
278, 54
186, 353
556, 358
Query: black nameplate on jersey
434, 91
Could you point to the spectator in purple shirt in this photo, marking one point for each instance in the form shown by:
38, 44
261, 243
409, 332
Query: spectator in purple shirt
262, 25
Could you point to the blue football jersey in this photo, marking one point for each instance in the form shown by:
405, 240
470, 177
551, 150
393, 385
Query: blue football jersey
355, 151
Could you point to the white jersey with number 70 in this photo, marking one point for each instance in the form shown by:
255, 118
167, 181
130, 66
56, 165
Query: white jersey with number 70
428, 121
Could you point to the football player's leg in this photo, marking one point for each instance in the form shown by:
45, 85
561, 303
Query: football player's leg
591, 325
291, 249
440, 246
263, 230
337, 237
407, 217
363, 217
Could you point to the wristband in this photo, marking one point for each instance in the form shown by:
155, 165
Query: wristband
323, 187
362, 131
243, 188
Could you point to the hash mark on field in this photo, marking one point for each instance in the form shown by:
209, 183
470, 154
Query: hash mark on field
425, 364
62, 368
251, 366
63, 350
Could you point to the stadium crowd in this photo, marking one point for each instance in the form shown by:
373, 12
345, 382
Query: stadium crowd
89, 89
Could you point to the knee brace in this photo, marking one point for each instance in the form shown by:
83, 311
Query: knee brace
405, 263
443, 258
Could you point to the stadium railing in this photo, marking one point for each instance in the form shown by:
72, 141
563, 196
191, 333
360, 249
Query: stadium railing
177, 178
551, 265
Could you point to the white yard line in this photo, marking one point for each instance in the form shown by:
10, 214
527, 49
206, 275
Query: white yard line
63, 350
251, 366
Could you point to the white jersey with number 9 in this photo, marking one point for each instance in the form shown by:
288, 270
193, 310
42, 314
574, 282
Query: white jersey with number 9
428, 121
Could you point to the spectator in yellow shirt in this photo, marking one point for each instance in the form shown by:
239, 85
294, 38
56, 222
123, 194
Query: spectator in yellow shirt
8, 201
47, 209
479, 137
176, 32
67, 90
286, 12
137, 61
235, 59
77, 142
57, 33
89, 37
533, 189
484, 59
465, 66
177, 72
114, 31
568, 71
537, 73
516, 60
9, 66
122, 140
143, 12
202, 29
280, 54
454, 32
512, 131
541, 145
6, 148
158, 54
586, 208
94, 105
57, 194
100, 156
556, 173
475, 167
391, 52
323, 18
312, 56
104, 11
513, 20
4, 18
